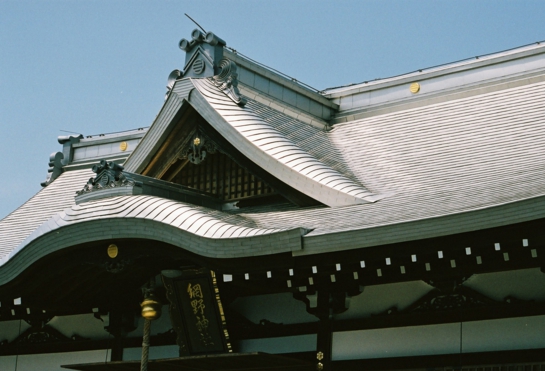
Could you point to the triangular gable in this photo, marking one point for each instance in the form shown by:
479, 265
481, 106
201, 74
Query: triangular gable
194, 155
200, 104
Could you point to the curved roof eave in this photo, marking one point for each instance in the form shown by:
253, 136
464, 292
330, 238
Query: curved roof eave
233, 121
196, 229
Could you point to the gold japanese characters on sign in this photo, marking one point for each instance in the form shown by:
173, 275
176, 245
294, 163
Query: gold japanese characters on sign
196, 297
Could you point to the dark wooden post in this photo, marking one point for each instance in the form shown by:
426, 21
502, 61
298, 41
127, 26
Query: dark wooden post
324, 336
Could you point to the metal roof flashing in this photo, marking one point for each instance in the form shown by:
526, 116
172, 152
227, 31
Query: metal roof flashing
82, 152
475, 219
470, 77
445, 69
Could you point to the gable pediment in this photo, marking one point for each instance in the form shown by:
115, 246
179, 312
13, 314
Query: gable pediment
195, 155
206, 105
208, 108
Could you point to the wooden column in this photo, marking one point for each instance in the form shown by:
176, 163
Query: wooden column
324, 335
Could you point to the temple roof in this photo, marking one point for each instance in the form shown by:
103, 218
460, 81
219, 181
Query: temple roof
439, 166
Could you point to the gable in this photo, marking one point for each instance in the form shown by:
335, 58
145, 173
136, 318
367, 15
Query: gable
220, 176
196, 156
248, 139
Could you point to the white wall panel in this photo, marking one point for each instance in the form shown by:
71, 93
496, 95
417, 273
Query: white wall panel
7, 363
478, 336
504, 334
10, 330
277, 308
397, 342
289, 344
53, 361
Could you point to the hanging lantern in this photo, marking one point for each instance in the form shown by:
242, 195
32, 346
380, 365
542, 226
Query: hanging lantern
151, 307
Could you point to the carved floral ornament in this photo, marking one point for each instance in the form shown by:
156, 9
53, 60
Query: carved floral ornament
197, 148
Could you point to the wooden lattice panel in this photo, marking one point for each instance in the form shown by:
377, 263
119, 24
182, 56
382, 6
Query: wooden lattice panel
221, 176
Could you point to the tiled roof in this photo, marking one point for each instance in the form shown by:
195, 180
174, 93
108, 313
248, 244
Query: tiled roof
280, 156
450, 167
445, 159
52, 199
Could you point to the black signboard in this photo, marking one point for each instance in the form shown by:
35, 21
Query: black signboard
196, 314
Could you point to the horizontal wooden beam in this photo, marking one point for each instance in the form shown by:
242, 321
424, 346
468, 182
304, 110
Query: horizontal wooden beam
462, 361
524, 309
84, 345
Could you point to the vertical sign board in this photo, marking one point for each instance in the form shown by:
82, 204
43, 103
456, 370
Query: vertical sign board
196, 313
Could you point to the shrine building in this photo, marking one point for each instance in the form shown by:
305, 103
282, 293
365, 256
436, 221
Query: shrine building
258, 224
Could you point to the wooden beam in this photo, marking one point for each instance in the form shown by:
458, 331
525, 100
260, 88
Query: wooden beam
182, 126
392, 321
516, 359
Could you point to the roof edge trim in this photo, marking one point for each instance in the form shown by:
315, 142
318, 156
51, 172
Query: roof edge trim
54, 235
160, 127
445, 69
467, 221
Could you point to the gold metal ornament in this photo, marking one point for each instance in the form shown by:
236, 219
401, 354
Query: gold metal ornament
415, 87
112, 251
319, 356
197, 141
123, 146
320, 366
151, 307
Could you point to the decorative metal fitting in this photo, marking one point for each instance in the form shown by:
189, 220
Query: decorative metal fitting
109, 175
414, 88
227, 81
197, 149
112, 251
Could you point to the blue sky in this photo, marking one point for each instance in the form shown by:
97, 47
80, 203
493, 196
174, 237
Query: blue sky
101, 66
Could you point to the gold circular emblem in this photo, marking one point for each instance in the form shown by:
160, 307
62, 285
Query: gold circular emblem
197, 141
415, 87
112, 251
123, 146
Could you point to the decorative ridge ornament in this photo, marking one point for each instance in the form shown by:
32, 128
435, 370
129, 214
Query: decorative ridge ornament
58, 160
109, 175
227, 81
204, 58
203, 54
198, 37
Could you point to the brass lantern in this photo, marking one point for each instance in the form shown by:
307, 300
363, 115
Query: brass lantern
151, 307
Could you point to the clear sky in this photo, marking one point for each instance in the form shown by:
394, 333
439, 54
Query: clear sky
101, 66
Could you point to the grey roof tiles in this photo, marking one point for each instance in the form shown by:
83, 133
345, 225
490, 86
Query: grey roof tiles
280, 156
447, 167
59, 195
